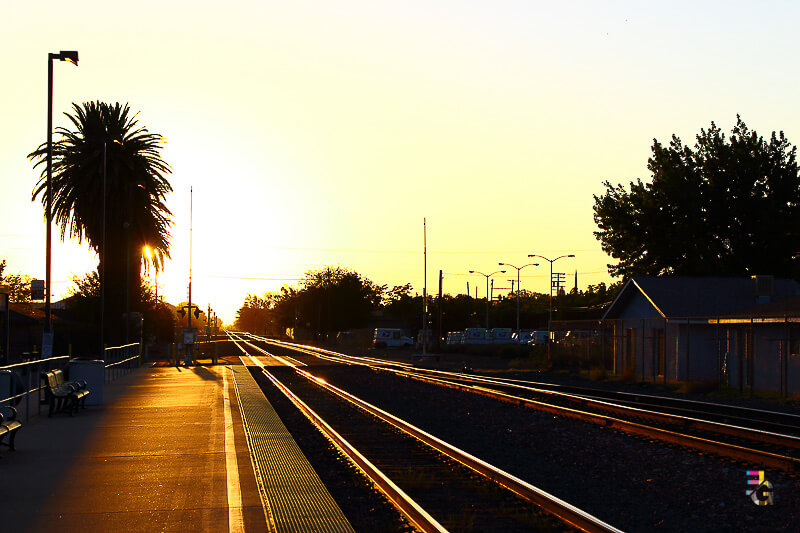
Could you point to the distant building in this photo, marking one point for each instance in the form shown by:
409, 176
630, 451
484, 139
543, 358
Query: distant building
688, 329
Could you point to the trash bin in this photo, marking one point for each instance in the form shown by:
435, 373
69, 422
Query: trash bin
91, 371
5, 385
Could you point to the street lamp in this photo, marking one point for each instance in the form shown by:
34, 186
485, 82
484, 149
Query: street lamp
127, 226
72, 57
103, 247
549, 324
518, 269
487, 276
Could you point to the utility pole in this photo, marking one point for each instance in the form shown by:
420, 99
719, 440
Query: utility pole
550, 322
425, 285
190, 348
439, 318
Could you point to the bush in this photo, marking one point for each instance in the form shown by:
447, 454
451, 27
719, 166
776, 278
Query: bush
628, 375
511, 351
699, 386
598, 373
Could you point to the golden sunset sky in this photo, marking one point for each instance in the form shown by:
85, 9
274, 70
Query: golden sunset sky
322, 133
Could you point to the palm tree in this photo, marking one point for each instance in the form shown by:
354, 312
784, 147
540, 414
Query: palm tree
136, 186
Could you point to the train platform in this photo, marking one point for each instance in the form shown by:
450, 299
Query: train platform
168, 450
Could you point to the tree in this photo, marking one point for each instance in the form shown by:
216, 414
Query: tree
328, 300
254, 314
18, 285
136, 186
728, 207
336, 299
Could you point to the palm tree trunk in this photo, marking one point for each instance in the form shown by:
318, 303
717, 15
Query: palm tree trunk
117, 270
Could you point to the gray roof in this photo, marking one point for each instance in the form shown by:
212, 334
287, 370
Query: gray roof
684, 297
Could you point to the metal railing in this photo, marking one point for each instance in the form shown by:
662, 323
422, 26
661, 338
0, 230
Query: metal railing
121, 360
24, 380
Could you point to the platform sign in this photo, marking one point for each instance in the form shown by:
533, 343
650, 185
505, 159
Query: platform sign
189, 336
47, 345
37, 289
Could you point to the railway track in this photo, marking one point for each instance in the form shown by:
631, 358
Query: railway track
436, 485
698, 425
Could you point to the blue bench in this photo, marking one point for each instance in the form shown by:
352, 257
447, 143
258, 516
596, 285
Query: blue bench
64, 395
9, 425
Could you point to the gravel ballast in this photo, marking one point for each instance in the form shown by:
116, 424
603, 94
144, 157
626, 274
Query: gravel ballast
630, 482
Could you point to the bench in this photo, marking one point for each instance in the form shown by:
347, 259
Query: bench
9, 425
61, 394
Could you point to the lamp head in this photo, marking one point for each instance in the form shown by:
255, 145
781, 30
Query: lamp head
503, 271
571, 255
69, 55
501, 264
471, 271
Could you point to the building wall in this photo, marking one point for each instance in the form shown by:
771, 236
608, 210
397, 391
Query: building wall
688, 351
759, 357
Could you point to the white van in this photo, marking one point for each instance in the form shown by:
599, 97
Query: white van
391, 338
539, 337
501, 335
524, 337
456, 337
477, 336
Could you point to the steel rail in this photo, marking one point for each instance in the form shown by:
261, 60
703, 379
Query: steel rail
667, 418
681, 421
563, 510
724, 410
721, 448
407, 506
552, 504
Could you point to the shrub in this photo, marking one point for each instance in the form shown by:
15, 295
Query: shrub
598, 373
699, 386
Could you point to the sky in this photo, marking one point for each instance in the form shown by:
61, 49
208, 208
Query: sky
323, 133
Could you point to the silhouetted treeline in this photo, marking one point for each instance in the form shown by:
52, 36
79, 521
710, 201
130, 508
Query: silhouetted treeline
337, 299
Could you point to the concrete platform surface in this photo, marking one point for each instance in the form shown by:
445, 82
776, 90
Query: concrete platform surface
153, 457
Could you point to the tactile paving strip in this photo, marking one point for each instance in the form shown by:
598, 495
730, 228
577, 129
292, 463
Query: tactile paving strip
294, 497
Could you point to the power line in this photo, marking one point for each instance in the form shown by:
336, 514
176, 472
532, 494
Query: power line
255, 278
355, 251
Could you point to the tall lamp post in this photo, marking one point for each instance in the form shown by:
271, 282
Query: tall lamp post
518, 269
550, 323
487, 276
72, 57
106, 139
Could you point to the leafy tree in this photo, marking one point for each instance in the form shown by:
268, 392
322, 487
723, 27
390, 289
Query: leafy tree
335, 299
18, 285
328, 300
254, 315
727, 207
136, 186
84, 305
